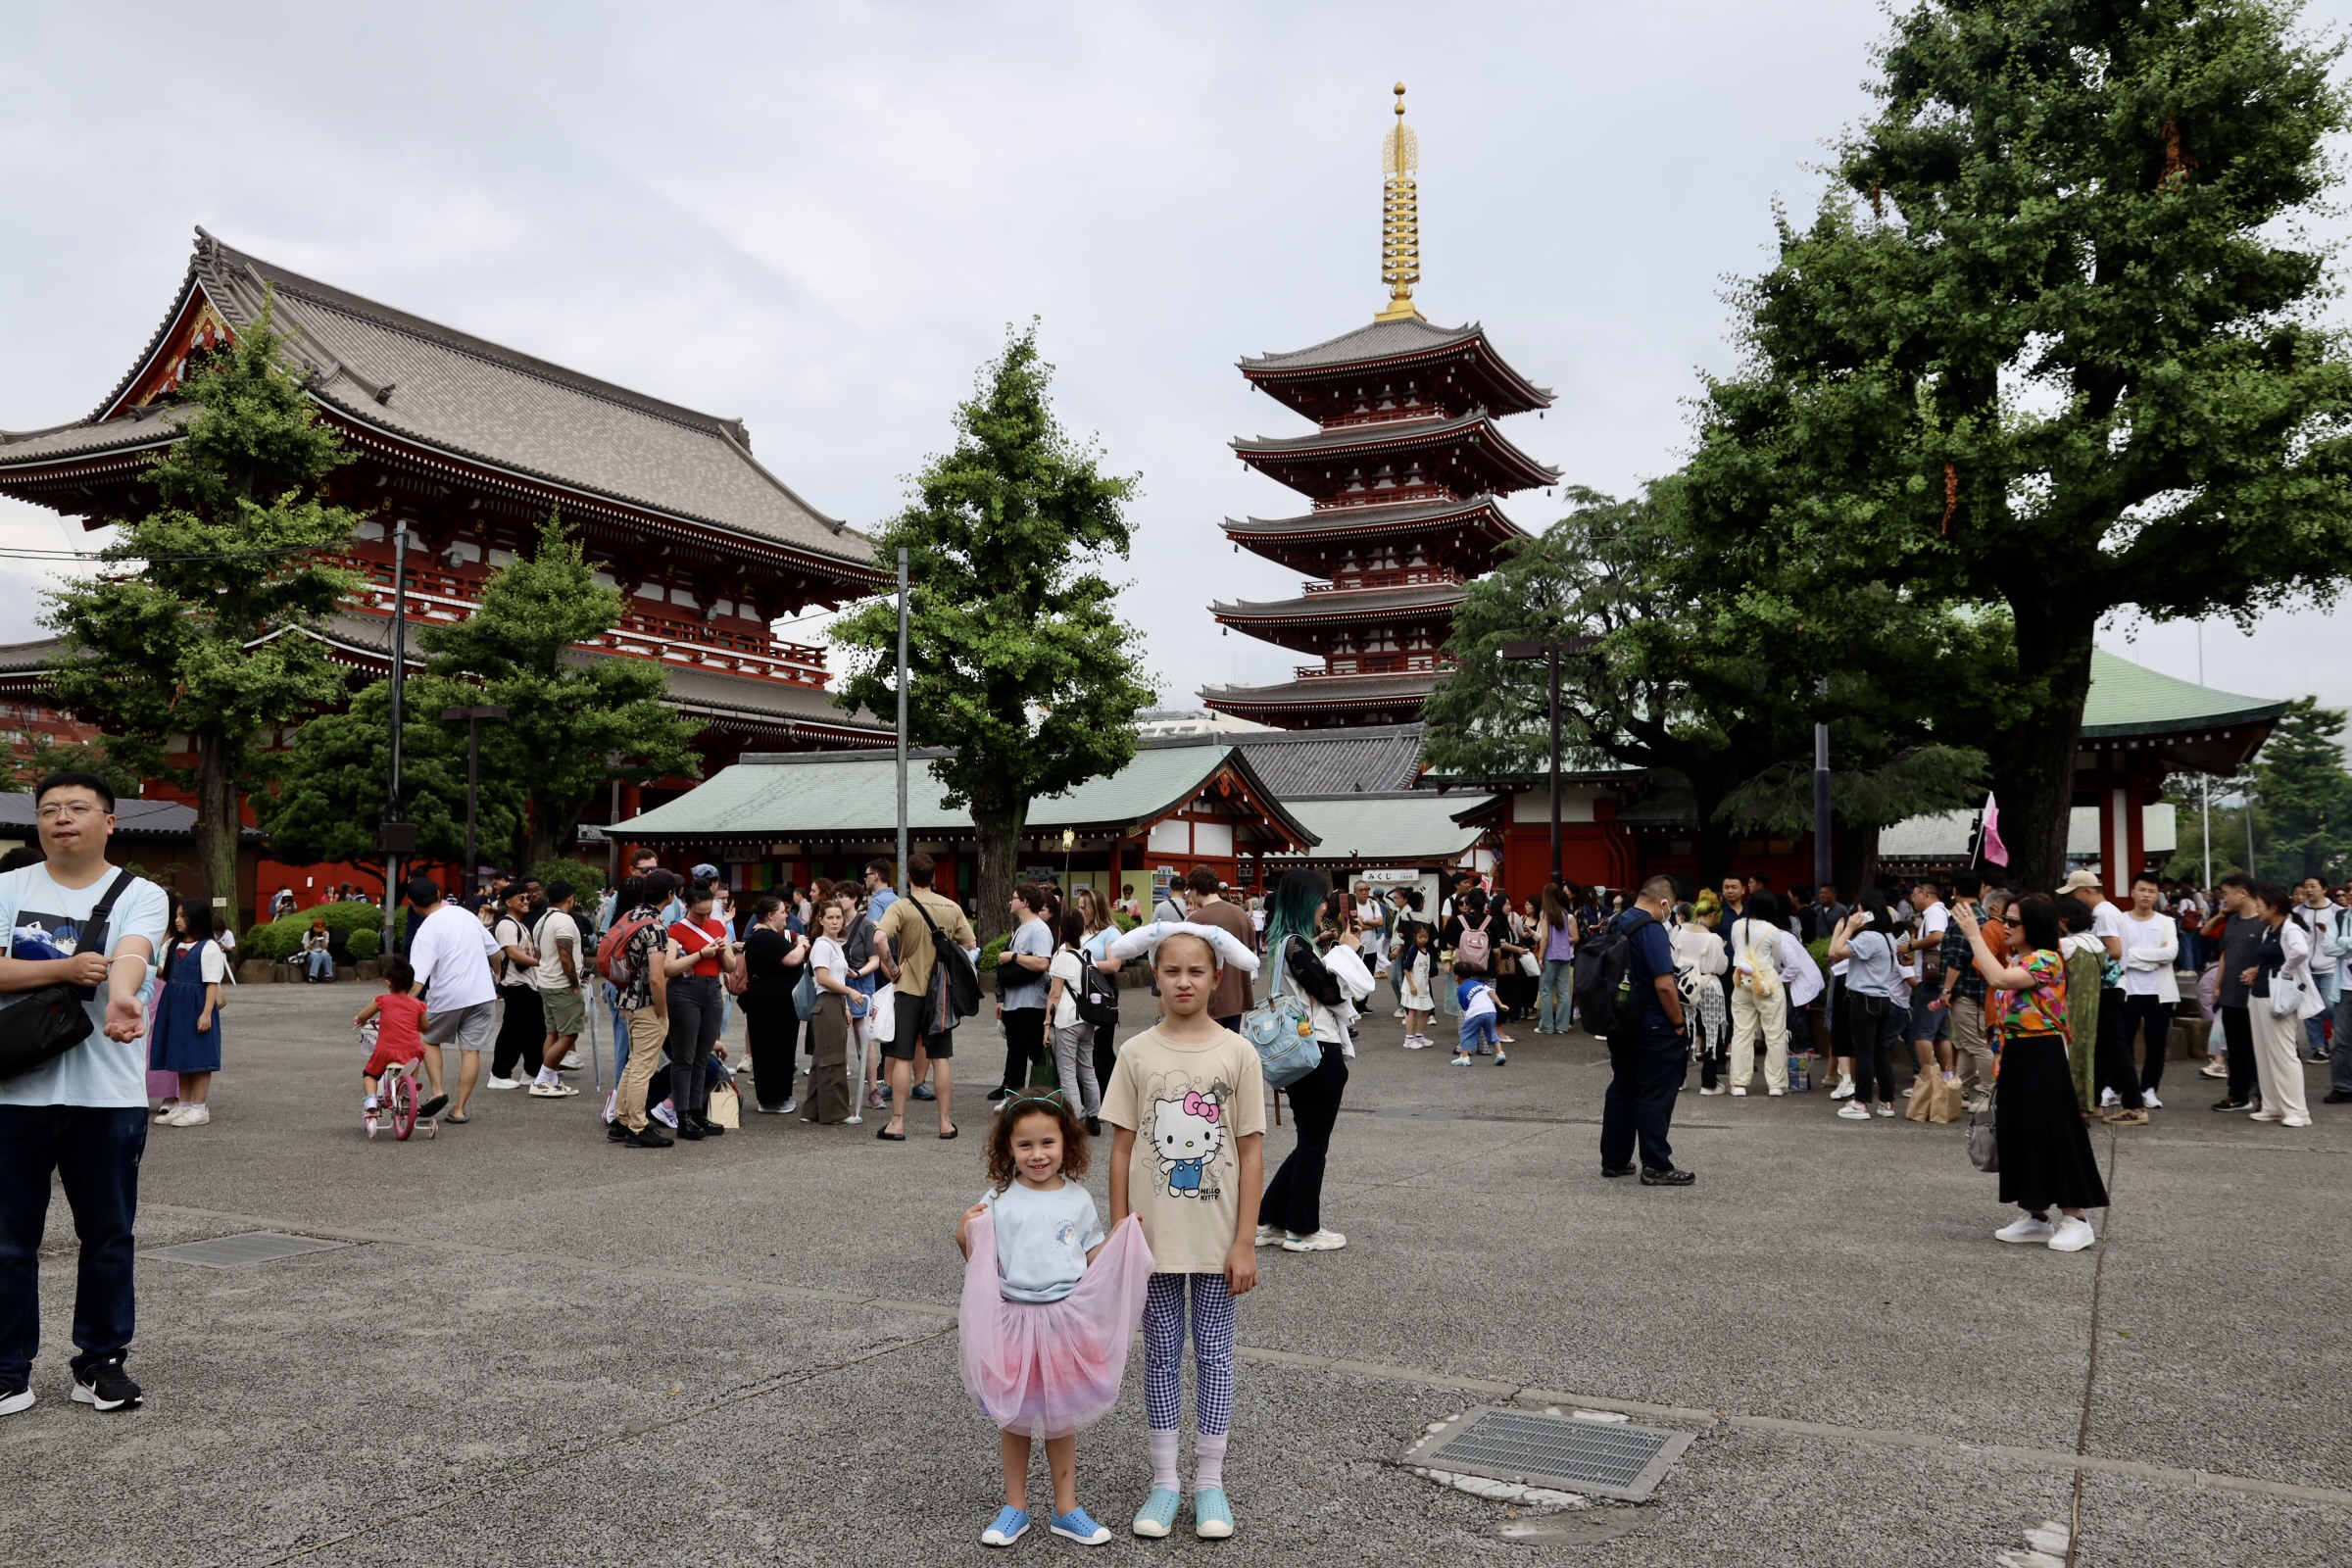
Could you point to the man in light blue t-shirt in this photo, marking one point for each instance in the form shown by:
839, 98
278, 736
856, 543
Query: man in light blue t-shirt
82, 1118
1022, 1005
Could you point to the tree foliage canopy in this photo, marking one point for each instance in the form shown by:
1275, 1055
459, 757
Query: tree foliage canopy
1016, 658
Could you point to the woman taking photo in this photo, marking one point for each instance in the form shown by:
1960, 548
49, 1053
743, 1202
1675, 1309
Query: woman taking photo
186, 1037
1870, 1013
1555, 948
1292, 1211
2284, 964
2046, 1155
773, 953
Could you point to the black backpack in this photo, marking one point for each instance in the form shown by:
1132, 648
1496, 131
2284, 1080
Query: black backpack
1096, 997
1310, 974
1603, 973
36, 1027
954, 980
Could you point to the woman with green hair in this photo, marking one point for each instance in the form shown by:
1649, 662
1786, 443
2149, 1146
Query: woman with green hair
1331, 985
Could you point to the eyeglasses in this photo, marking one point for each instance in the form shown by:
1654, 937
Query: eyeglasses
73, 810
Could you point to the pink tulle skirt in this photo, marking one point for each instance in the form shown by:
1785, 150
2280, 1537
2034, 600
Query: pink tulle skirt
1050, 1368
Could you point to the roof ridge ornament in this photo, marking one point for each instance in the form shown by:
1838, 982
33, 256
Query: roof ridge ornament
1399, 218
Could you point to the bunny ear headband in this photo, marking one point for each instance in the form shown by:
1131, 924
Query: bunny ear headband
1146, 939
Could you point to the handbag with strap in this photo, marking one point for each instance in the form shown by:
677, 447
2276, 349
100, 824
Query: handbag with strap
1983, 1142
955, 990
1281, 1029
36, 1027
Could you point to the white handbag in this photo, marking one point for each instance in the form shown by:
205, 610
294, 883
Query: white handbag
2286, 998
1530, 965
882, 1018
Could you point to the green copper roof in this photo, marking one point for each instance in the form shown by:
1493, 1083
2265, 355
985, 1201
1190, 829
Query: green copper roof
1418, 831
2128, 698
830, 795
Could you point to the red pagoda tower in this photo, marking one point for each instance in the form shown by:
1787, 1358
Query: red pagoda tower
1403, 472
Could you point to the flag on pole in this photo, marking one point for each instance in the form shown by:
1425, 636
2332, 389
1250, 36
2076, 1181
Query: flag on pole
1994, 849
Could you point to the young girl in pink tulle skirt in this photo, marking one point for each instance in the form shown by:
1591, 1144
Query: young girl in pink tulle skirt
1049, 1307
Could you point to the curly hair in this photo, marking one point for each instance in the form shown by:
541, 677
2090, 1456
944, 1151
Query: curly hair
1020, 1107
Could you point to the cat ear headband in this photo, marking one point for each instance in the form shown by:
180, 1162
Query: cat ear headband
1145, 940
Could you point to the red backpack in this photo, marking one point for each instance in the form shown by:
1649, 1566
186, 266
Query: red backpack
611, 954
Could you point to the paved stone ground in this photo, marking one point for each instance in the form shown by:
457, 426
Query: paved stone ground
538, 1349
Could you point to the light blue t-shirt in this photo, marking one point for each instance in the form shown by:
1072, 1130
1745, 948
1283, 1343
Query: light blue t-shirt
98, 1072
1043, 1238
878, 901
1030, 936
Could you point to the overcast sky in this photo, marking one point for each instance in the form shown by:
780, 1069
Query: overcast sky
823, 217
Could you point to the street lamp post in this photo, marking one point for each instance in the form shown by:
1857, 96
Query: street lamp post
905, 887
473, 717
1549, 650
394, 837
1821, 794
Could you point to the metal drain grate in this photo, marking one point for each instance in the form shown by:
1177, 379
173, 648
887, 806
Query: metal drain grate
1566, 1455
248, 1247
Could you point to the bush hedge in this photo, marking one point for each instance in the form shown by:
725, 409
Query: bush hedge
587, 881
366, 944
275, 939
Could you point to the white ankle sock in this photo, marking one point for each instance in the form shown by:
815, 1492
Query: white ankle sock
1208, 1462
1163, 1460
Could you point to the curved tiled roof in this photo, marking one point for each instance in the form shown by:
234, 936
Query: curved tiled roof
1371, 518
1322, 691
2128, 698
432, 385
1343, 602
1403, 339
1477, 427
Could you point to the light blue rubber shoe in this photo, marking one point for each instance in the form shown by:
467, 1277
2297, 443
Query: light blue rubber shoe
1156, 1518
1078, 1525
1011, 1524
1212, 1515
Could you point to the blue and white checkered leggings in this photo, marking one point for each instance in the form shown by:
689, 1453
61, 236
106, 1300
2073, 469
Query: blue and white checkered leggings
1213, 1352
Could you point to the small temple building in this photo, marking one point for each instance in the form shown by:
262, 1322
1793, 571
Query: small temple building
1402, 475
471, 444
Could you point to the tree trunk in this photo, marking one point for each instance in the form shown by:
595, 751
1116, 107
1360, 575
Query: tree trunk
1853, 857
1714, 846
2033, 773
218, 826
998, 842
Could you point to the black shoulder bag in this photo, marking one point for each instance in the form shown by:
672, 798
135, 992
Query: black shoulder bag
36, 1027
954, 993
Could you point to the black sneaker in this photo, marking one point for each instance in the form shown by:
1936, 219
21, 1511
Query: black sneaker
1670, 1176
711, 1129
690, 1129
2336, 1097
1616, 1170
106, 1386
615, 1132
652, 1138
993, 1094
13, 1399
2234, 1104
1094, 1124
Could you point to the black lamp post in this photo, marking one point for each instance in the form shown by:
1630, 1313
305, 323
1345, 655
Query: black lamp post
473, 717
1549, 650
395, 838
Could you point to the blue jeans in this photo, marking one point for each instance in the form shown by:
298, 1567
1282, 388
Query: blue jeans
620, 1031
94, 1151
1554, 999
1647, 1063
322, 964
1478, 1034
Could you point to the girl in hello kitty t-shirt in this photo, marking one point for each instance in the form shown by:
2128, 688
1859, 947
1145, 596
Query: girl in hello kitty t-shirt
1187, 1108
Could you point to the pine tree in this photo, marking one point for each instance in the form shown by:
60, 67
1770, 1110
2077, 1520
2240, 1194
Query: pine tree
2303, 796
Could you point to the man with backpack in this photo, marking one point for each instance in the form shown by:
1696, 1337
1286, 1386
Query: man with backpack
1626, 988
912, 931
634, 956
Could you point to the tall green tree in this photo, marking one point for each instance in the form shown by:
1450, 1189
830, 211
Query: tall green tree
174, 634
46, 756
2052, 348
1017, 659
2303, 796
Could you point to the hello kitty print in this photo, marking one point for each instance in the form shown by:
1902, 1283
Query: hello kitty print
1185, 1136
1191, 1107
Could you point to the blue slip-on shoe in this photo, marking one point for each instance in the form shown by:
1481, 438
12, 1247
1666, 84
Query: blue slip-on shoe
1212, 1516
1156, 1518
923, 1091
1078, 1525
1011, 1525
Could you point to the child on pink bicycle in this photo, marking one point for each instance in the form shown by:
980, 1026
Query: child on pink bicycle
398, 1020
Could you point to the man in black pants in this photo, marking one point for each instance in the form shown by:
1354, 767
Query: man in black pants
1022, 1005
2242, 949
1648, 1051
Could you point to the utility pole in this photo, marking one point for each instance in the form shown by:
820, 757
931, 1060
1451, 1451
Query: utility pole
1822, 871
1549, 650
905, 887
395, 837
473, 717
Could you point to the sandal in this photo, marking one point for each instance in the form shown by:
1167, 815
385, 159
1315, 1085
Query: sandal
949, 1133
889, 1137
457, 1121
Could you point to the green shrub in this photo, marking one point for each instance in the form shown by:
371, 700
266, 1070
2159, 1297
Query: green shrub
283, 939
366, 944
993, 954
586, 880
1819, 946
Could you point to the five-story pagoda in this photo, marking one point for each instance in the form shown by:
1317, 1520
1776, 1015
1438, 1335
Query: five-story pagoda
1403, 473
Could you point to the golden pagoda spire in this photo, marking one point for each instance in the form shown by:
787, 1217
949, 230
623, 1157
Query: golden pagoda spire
1399, 218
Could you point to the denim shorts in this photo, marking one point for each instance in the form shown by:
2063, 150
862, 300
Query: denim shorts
1478, 1032
1929, 1023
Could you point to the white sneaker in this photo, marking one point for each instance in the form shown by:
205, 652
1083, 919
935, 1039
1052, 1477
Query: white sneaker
2147, 1097
1740, 1093
2213, 1069
2262, 1115
495, 1082
666, 1113
571, 1063
2294, 1121
11, 1404
1845, 1086
1705, 1089
1320, 1242
2108, 1097
1459, 1061
1269, 1235
1854, 1110
1775, 1093
167, 1110
189, 1115
552, 1091
2072, 1235
1886, 1109
2026, 1228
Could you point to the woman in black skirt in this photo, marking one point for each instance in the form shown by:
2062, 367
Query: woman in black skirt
2044, 1149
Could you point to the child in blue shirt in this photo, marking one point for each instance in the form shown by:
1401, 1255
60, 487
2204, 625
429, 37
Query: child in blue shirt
1476, 998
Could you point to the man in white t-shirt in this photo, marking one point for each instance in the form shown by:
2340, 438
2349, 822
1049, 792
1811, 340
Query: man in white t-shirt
560, 980
1931, 1025
80, 1118
451, 954
1372, 927
521, 1024
2151, 947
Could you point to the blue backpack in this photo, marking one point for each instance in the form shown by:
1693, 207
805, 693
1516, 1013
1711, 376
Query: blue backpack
1281, 1028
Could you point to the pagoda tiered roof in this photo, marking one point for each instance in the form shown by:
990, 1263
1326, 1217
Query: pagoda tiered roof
1452, 366
1477, 528
1463, 455
1322, 698
1324, 607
